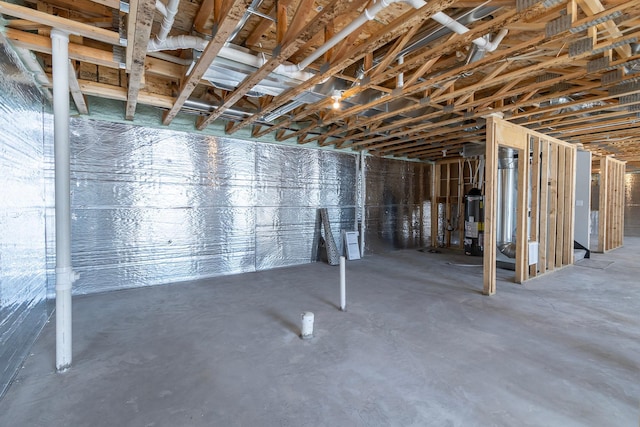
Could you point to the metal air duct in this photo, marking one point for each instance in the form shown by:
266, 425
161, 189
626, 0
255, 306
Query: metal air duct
507, 197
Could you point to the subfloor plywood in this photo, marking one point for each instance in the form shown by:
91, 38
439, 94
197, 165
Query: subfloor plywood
419, 345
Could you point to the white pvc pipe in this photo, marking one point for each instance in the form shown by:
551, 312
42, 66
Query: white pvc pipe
169, 11
447, 21
363, 199
400, 76
227, 52
64, 272
160, 7
343, 285
177, 42
307, 325
366, 15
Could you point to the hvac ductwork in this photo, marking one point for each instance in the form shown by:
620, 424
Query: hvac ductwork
507, 196
233, 64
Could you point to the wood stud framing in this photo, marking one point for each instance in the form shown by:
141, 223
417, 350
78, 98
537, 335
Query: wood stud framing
550, 196
456, 178
547, 95
441, 94
611, 203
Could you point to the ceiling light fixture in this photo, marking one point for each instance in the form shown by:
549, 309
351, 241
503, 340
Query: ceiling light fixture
336, 99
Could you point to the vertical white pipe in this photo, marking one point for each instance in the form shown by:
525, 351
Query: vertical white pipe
363, 201
400, 77
343, 285
64, 273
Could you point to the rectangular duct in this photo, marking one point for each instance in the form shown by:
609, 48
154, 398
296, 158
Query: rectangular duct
615, 45
597, 21
629, 99
611, 77
547, 76
624, 65
558, 25
597, 64
580, 46
624, 88
522, 5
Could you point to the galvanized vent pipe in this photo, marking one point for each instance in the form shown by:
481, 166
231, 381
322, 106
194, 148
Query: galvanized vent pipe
507, 196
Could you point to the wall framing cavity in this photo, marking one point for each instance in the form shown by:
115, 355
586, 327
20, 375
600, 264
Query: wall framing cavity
611, 202
545, 202
453, 178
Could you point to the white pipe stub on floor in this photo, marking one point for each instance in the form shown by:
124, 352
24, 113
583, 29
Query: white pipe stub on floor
307, 325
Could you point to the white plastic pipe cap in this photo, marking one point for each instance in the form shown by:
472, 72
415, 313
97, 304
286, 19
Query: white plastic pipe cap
307, 325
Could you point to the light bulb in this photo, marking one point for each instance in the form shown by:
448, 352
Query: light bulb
336, 104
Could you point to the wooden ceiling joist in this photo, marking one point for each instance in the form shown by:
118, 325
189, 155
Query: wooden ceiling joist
145, 12
539, 76
189, 82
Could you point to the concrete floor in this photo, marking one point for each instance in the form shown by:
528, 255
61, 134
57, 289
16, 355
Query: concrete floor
418, 346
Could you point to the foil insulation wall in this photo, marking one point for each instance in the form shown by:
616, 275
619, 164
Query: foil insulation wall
154, 206
23, 310
632, 205
397, 206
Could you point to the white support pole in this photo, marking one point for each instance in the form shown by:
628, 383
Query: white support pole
64, 272
363, 200
343, 285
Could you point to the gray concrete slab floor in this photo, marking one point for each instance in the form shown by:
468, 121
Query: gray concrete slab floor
419, 345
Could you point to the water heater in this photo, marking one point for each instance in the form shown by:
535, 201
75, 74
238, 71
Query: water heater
474, 222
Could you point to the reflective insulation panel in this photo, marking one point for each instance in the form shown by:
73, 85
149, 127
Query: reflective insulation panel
23, 285
632, 205
153, 206
397, 205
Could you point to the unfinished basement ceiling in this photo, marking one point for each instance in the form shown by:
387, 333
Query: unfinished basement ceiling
413, 80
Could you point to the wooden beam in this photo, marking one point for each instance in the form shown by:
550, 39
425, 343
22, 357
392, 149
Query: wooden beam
543, 216
131, 31
593, 7
120, 94
421, 71
201, 20
83, 7
460, 91
68, 25
282, 53
535, 201
419, 59
394, 29
254, 37
435, 194
522, 211
190, 82
281, 21
144, 19
569, 204
298, 22
76, 93
490, 210
391, 55
78, 52
114, 4
26, 25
